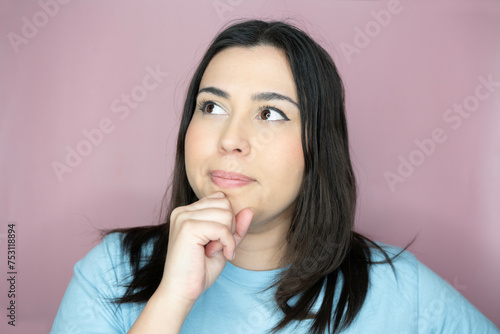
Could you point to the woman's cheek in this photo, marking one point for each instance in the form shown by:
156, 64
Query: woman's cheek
196, 139
294, 159
193, 148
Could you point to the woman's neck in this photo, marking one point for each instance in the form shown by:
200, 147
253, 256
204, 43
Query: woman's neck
263, 248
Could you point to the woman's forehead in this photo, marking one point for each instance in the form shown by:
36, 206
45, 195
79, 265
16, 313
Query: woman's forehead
262, 68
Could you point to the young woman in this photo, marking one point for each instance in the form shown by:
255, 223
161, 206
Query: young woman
259, 235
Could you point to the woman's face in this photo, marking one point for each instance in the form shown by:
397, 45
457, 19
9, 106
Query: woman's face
244, 138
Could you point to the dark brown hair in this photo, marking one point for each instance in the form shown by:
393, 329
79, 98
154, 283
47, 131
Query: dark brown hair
322, 246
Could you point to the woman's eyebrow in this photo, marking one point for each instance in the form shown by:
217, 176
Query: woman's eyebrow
264, 96
215, 91
269, 96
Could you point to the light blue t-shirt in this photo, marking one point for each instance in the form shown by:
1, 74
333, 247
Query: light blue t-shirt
415, 301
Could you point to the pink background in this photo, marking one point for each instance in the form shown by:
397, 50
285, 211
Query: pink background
64, 78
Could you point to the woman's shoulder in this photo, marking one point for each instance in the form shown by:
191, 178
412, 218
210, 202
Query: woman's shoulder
393, 270
112, 253
410, 289
109, 247
99, 278
105, 259
109, 244
396, 271
390, 258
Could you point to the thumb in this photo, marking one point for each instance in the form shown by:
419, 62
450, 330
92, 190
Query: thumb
243, 220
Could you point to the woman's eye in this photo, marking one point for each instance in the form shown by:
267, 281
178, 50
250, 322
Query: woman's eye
272, 115
212, 109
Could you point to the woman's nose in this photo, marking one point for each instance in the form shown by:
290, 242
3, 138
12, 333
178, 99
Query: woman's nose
234, 137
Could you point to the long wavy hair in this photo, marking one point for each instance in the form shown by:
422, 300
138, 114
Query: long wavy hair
322, 246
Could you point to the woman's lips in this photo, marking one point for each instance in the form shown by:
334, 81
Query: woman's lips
229, 179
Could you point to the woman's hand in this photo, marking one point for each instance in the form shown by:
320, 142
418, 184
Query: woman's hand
203, 236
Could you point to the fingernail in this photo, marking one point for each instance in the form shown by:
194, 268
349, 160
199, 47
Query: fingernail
217, 195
